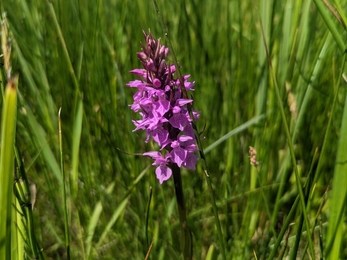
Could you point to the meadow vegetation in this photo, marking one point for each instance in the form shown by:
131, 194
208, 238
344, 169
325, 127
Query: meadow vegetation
268, 75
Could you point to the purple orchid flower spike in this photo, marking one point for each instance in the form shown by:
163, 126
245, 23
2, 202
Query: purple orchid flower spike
161, 104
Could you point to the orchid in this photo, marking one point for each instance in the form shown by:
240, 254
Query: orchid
162, 106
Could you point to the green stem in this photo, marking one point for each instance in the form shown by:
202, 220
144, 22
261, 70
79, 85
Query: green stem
23, 195
67, 236
291, 150
8, 132
285, 226
330, 24
201, 151
186, 236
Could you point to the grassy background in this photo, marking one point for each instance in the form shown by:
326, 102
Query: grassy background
77, 55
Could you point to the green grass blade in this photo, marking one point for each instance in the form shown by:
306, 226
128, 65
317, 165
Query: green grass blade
338, 195
233, 132
76, 140
17, 232
8, 131
318, 66
291, 149
25, 201
94, 221
330, 23
64, 190
40, 138
284, 229
119, 210
71, 51
63, 44
341, 14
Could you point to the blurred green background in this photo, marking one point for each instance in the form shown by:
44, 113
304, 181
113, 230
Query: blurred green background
76, 55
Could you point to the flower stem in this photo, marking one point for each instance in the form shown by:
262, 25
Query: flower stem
186, 236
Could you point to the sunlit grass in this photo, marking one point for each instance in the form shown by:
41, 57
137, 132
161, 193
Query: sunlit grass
76, 55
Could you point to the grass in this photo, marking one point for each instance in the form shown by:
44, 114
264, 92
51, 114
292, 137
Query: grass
76, 55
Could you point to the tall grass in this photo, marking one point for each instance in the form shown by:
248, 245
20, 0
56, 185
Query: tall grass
76, 55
